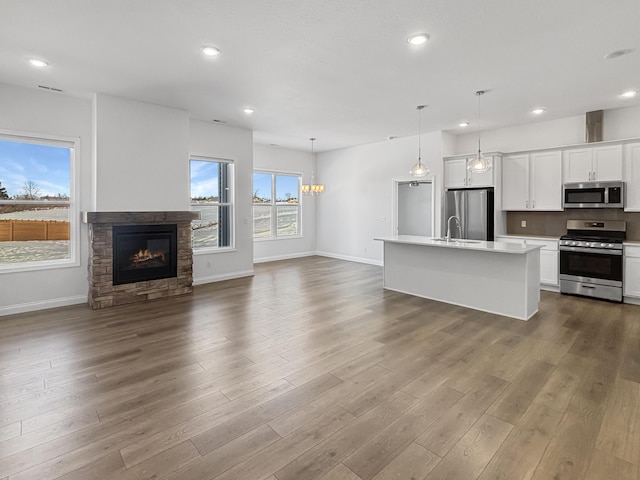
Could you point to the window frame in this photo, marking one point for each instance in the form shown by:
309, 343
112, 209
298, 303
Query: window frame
73, 143
231, 200
274, 205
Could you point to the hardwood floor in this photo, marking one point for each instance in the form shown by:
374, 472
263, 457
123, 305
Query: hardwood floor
310, 370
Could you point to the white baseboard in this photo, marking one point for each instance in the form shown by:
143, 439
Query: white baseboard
220, 278
632, 300
549, 288
42, 305
283, 257
350, 258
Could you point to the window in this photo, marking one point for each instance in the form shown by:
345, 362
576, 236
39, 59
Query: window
211, 194
38, 224
276, 206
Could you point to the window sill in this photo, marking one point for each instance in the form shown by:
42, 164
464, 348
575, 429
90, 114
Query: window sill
38, 266
208, 251
274, 239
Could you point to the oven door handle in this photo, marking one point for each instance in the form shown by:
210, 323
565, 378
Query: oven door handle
591, 250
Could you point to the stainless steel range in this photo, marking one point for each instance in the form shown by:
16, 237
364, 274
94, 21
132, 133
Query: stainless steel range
591, 258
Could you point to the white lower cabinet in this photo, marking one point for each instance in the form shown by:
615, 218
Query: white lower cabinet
549, 267
631, 271
548, 257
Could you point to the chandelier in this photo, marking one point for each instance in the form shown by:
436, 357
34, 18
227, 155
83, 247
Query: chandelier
312, 188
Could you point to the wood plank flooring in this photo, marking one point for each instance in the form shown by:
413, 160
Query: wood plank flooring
310, 370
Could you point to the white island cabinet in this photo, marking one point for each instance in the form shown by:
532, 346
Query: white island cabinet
495, 277
549, 258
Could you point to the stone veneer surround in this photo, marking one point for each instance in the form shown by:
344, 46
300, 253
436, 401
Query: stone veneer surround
102, 292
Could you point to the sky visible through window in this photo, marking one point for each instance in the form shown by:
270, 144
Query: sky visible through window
204, 179
286, 187
45, 165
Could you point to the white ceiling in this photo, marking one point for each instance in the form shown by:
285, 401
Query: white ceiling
338, 70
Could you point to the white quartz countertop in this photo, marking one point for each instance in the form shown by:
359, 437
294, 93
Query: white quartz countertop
495, 247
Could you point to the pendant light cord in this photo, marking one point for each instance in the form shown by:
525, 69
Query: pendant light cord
419, 108
313, 162
479, 93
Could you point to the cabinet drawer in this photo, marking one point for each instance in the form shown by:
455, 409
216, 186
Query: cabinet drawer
631, 250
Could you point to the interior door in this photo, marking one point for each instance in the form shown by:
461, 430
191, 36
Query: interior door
415, 209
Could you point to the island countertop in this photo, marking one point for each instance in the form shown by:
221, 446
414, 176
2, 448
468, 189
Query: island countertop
495, 277
495, 247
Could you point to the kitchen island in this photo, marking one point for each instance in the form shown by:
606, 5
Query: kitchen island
495, 277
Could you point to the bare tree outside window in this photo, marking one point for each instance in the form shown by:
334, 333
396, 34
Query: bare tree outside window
30, 191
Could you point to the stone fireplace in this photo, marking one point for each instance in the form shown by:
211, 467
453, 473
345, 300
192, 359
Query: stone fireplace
139, 256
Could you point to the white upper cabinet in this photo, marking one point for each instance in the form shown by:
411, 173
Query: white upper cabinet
601, 164
532, 181
546, 181
456, 174
515, 182
632, 176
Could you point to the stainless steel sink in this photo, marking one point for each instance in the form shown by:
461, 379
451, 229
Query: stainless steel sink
455, 240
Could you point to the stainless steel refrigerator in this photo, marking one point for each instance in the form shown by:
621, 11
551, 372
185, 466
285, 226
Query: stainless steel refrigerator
474, 210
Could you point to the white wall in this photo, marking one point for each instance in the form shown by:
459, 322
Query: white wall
140, 156
219, 141
285, 160
40, 112
139, 161
619, 123
358, 202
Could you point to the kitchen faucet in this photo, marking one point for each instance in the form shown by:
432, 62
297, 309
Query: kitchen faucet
449, 226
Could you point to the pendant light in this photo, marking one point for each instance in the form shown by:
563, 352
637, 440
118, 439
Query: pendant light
419, 169
312, 188
479, 163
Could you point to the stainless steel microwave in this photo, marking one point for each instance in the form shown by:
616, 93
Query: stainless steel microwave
593, 195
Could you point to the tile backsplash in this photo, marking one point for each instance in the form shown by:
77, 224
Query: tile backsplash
554, 224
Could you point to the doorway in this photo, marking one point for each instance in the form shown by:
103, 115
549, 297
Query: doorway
414, 212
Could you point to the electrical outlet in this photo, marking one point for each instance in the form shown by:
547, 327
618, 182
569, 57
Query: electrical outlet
523, 224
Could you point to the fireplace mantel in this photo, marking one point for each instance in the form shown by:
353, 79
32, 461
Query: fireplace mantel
140, 217
102, 292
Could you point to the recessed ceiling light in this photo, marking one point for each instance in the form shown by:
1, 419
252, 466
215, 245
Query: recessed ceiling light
418, 39
248, 110
38, 63
629, 94
617, 53
464, 124
538, 111
210, 51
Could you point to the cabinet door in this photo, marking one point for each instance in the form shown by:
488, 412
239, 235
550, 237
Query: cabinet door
632, 276
577, 165
455, 173
515, 182
607, 163
549, 267
546, 181
484, 179
632, 177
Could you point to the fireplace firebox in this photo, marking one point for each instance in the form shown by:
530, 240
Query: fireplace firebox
144, 252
